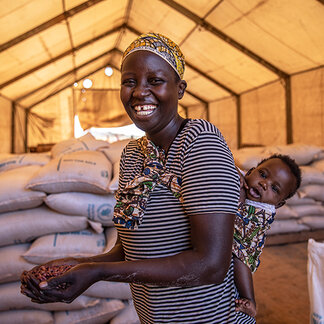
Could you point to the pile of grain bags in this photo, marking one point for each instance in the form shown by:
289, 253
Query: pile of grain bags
304, 211
52, 206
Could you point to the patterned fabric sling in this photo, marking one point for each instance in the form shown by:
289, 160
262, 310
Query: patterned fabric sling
133, 198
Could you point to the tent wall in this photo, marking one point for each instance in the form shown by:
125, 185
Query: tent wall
223, 114
263, 116
5, 125
52, 121
20, 130
197, 111
308, 107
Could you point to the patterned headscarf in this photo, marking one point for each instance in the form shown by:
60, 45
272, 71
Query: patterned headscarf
133, 198
159, 45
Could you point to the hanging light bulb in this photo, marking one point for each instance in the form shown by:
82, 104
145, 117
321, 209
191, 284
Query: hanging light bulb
87, 83
75, 84
109, 71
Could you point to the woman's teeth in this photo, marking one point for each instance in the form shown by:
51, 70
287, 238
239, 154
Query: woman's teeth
144, 110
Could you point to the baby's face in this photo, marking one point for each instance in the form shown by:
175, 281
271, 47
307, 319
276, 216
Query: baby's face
271, 182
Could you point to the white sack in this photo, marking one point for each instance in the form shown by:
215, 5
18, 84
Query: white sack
297, 200
313, 191
98, 208
302, 153
113, 185
114, 151
12, 298
85, 171
25, 225
86, 142
313, 222
311, 175
13, 195
111, 238
249, 157
127, 316
12, 263
61, 245
109, 289
26, 317
315, 280
286, 226
308, 210
318, 165
98, 314
18, 160
285, 212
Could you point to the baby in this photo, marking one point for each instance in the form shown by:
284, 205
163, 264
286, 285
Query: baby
263, 189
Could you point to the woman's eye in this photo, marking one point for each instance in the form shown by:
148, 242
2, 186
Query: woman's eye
156, 81
128, 82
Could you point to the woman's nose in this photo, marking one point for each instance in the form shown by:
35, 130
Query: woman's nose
141, 90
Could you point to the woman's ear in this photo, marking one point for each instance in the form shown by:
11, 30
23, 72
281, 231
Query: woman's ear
181, 88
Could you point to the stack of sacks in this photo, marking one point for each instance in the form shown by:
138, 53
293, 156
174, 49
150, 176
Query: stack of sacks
74, 184
304, 210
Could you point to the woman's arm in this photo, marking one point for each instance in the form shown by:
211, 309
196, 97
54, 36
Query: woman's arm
206, 263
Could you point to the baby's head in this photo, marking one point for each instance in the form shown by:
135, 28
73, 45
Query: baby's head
274, 180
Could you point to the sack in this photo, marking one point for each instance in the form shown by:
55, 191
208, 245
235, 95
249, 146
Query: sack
13, 195
85, 171
61, 245
26, 317
109, 289
115, 150
99, 314
12, 298
315, 280
14, 161
86, 142
311, 175
111, 238
98, 208
127, 316
25, 225
286, 226
313, 222
314, 191
12, 263
285, 212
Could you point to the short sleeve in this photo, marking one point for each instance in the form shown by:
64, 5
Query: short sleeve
210, 182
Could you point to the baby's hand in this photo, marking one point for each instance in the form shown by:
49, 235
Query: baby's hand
246, 306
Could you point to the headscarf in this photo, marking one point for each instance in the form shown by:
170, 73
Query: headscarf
132, 199
159, 45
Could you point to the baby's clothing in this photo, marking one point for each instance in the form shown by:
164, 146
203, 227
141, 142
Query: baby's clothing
252, 221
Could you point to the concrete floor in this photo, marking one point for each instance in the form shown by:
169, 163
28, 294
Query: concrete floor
280, 285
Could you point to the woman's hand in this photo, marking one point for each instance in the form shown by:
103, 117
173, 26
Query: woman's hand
30, 280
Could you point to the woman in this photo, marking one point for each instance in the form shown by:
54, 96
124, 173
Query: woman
178, 193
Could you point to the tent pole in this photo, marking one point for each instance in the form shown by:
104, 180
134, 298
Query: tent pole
13, 117
288, 110
238, 123
26, 130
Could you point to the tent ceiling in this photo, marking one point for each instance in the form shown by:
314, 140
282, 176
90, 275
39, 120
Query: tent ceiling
231, 46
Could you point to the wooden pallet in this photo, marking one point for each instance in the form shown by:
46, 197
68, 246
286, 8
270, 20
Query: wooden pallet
285, 238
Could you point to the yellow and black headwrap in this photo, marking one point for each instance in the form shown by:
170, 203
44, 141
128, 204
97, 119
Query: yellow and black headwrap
159, 45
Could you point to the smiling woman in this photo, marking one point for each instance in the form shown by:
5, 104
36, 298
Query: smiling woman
177, 196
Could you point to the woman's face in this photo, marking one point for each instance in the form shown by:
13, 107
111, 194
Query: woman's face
150, 91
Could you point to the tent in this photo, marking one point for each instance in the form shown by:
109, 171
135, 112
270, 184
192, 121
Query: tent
254, 67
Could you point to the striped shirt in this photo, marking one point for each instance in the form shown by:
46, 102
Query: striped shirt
210, 184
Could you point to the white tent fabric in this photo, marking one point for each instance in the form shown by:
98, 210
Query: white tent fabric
254, 67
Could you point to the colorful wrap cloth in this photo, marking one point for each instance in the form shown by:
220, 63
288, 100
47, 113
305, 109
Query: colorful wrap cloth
161, 46
252, 221
132, 199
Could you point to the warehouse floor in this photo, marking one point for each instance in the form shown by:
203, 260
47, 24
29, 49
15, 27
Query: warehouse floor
281, 285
